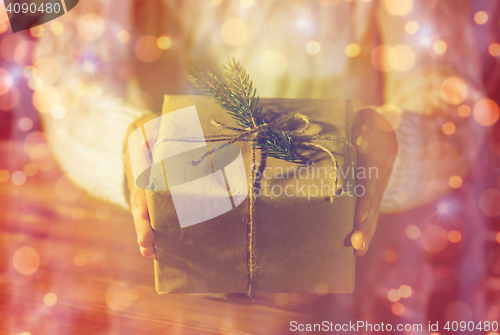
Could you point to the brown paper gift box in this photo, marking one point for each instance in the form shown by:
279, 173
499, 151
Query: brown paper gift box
301, 242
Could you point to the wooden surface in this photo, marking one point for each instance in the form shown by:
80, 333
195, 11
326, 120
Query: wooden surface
92, 298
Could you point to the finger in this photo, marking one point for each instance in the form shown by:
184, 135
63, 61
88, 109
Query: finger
145, 235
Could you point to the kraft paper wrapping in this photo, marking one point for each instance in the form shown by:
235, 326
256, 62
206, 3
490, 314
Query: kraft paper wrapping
301, 242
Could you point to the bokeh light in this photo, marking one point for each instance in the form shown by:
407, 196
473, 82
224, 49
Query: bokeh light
352, 50
30, 169
464, 111
116, 297
47, 70
390, 256
402, 58
399, 7
455, 182
24, 51
58, 112
434, 238
80, 260
102, 212
481, 17
37, 31
405, 291
411, 27
90, 26
147, 50
322, 288
413, 232
380, 58
77, 213
56, 28
281, 299
5, 81
486, 112
18, 178
488, 202
440, 47
4, 175
66, 190
393, 295
247, 3
50, 299
132, 294
164, 42
123, 36
494, 49
45, 98
26, 260
9, 99
453, 90
25, 124
398, 308
497, 237
449, 128
313, 47
234, 32
454, 236
272, 64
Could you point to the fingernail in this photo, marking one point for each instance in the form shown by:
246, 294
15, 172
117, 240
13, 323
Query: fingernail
139, 239
364, 246
363, 218
362, 142
142, 250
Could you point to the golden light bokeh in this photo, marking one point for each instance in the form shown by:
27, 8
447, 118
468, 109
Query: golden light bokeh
50, 299
494, 49
486, 112
66, 190
147, 50
454, 236
216, 2
399, 7
58, 112
390, 256
18, 178
413, 232
116, 297
453, 91
411, 27
45, 98
488, 202
132, 294
164, 42
481, 17
29, 71
380, 58
90, 26
77, 213
247, 3
281, 299
352, 50
47, 70
440, 47
234, 32
4, 175
322, 288
405, 291
449, 128
401, 57
313, 47
272, 64
455, 182
35, 83
80, 260
464, 111
123, 36
329, 3
398, 308
30, 169
26, 260
56, 28
9, 99
102, 212
434, 238
37, 31
393, 295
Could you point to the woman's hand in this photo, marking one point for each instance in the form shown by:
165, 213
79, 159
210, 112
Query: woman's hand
138, 201
376, 147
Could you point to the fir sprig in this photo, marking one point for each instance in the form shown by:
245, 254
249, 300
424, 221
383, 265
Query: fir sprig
239, 98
